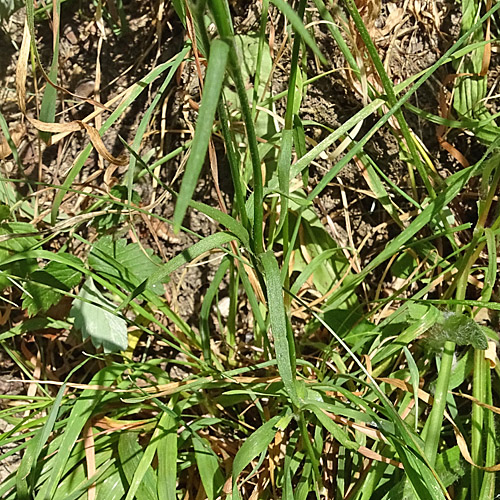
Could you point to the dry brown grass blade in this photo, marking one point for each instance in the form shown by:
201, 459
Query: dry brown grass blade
494, 409
16, 135
21, 75
487, 48
89, 445
371, 433
373, 455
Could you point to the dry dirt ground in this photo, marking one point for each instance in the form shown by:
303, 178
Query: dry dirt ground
409, 35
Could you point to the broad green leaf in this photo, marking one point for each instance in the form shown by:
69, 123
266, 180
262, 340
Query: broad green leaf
208, 467
214, 78
93, 318
251, 448
57, 278
14, 245
4, 211
450, 465
125, 264
130, 453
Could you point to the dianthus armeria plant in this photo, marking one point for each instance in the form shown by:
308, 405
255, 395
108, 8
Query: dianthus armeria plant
262, 302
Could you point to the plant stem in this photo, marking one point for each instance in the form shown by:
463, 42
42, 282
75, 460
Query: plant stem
223, 21
478, 392
432, 430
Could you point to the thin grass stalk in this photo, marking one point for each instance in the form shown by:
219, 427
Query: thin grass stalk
233, 307
391, 97
488, 484
286, 149
432, 431
222, 17
262, 40
477, 421
234, 165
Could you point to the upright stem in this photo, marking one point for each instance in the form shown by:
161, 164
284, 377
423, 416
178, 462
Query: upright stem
223, 21
478, 392
432, 430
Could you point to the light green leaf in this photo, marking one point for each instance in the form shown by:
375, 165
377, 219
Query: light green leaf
457, 328
252, 447
130, 453
283, 342
127, 265
21, 240
57, 277
80, 413
214, 78
93, 318
208, 467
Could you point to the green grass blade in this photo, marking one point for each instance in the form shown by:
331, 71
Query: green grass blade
167, 459
216, 240
207, 306
48, 106
256, 444
208, 467
135, 91
131, 456
80, 413
219, 51
144, 466
299, 27
283, 340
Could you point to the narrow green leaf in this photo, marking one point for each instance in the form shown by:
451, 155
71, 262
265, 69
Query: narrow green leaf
207, 305
49, 100
299, 27
135, 91
414, 379
167, 459
256, 444
283, 342
131, 453
80, 413
24, 483
206, 244
144, 467
208, 467
214, 78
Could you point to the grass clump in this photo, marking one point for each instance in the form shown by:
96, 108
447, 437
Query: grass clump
311, 359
